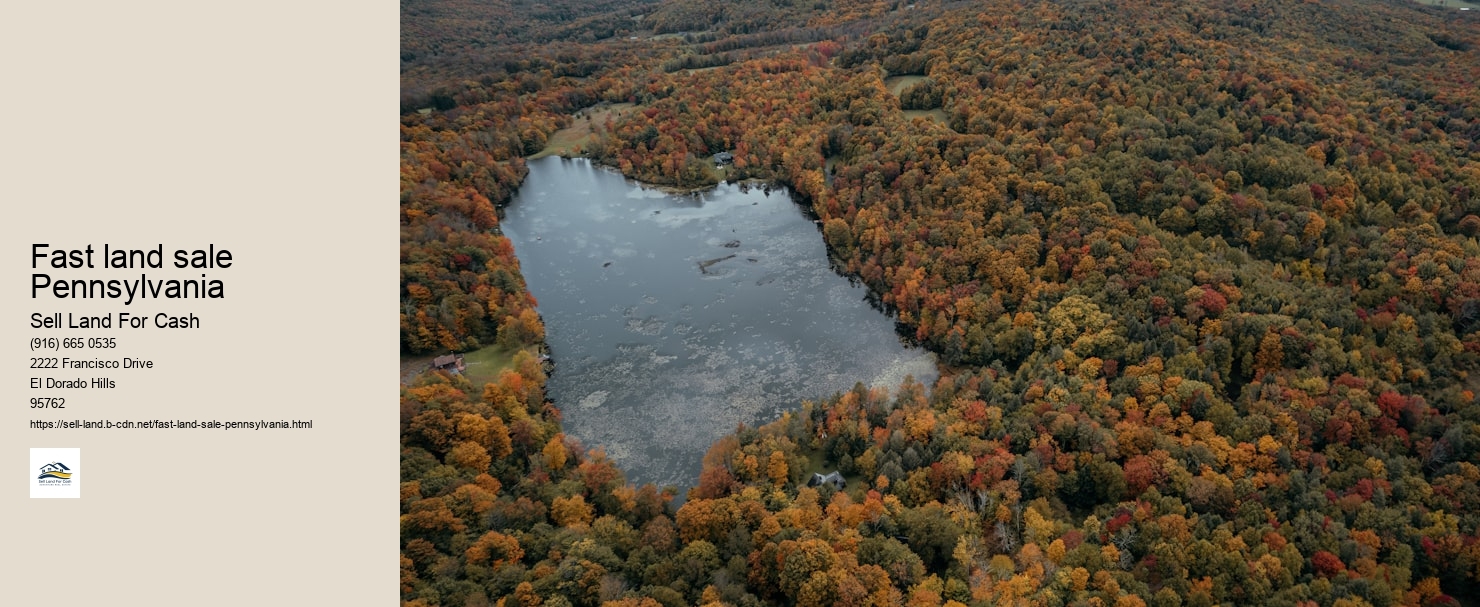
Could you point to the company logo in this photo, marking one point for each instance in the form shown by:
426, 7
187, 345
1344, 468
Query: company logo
57, 471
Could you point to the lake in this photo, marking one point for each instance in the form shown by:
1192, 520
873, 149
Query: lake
672, 318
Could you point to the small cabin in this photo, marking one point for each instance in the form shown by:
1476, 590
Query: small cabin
832, 478
450, 362
723, 158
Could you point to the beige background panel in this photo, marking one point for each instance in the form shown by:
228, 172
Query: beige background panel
269, 129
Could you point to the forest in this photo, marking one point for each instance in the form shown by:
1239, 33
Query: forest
1203, 279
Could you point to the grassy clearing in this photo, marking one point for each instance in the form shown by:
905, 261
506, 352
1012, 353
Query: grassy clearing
815, 463
484, 365
937, 114
897, 84
568, 141
720, 173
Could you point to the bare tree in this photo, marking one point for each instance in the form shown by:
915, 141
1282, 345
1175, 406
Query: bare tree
1006, 538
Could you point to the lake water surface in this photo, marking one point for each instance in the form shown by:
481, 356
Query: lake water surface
673, 318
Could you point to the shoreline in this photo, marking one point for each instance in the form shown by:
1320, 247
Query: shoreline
662, 187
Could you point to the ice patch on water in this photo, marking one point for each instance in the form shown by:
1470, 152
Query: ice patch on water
594, 399
922, 368
651, 325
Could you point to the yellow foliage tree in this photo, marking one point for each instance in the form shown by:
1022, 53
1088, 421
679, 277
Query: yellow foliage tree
777, 468
1271, 356
555, 453
571, 511
469, 455
494, 550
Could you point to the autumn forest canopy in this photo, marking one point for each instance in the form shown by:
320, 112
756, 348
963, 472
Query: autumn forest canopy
1202, 277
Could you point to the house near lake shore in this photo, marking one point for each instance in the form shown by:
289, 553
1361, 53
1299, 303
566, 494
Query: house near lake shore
450, 362
832, 478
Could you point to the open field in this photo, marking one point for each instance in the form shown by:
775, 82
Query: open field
568, 141
937, 114
897, 84
484, 365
